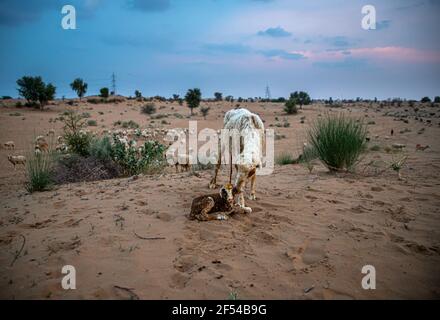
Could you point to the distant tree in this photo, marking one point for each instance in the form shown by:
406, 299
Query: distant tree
180, 100
279, 100
330, 100
204, 111
425, 100
137, 94
290, 106
176, 97
34, 89
437, 99
104, 92
302, 98
229, 98
193, 98
79, 86
218, 96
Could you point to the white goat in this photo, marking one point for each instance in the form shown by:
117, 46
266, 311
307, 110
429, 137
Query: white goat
251, 128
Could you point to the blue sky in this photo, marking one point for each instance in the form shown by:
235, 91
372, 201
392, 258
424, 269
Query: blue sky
233, 46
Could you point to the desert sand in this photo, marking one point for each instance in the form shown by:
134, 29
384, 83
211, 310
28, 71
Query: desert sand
308, 237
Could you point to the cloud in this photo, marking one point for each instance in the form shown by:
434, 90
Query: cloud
350, 63
398, 54
149, 5
339, 41
233, 48
277, 53
277, 32
13, 12
148, 43
384, 24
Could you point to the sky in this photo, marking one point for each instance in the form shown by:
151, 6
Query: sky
237, 47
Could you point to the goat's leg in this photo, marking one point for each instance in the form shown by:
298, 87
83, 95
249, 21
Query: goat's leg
213, 183
253, 189
240, 183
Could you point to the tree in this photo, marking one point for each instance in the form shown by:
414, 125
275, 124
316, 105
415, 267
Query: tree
290, 106
193, 98
425, 100
79, 86
229, 98
137, 94
176, 97
218, 96
204, 111
104, 92
302, 98
34, 89
437, 99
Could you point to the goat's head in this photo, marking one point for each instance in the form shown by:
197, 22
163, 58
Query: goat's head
227, 193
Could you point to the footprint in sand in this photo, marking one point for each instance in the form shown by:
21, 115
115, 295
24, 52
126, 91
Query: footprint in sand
163, 216
186, 263
59, 204
314, 252
179, 280
309, 254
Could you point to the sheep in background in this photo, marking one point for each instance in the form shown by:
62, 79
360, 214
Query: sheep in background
17, 160
9, 145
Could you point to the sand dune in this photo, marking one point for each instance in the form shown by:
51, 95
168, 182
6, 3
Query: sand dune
308, 237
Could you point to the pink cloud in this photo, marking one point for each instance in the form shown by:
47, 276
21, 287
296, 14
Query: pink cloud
398, 54
379, 54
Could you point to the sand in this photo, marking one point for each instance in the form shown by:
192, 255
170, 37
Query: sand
308, 237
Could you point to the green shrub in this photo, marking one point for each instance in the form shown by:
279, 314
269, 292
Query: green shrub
148, 108
101, 148
338, 141
133, 161
92, 123
290, 107
306, 159
130, 124
77, 140
39, 171
284, 159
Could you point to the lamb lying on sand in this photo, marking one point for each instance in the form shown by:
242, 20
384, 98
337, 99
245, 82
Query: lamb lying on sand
216, 206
